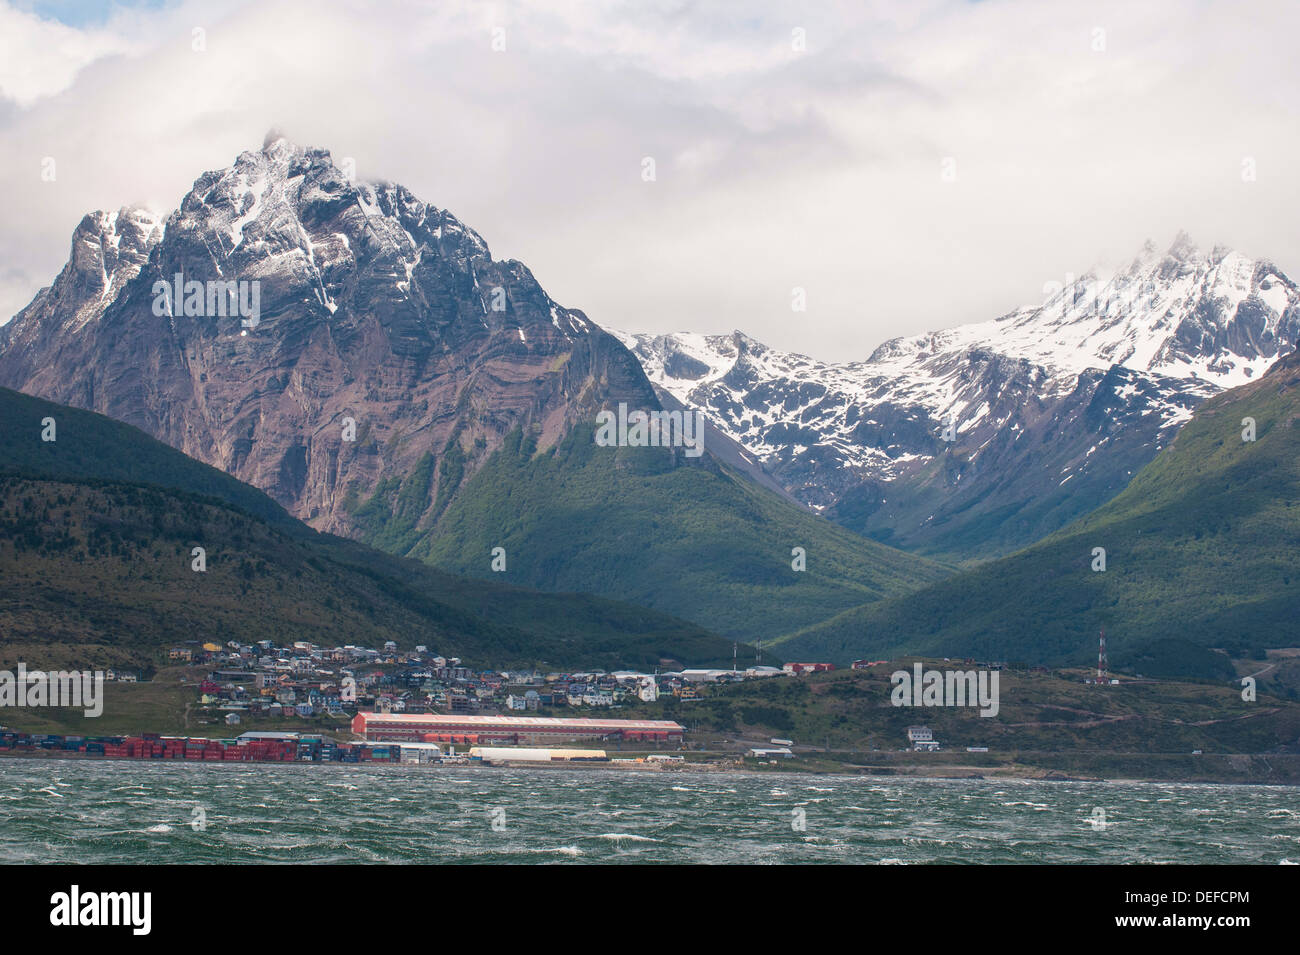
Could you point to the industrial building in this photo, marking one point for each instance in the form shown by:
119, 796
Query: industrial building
518, 754
510, 730
420, 752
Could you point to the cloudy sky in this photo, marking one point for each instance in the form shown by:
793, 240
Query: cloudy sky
911, 165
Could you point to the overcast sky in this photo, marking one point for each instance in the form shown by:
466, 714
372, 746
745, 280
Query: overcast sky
915, 165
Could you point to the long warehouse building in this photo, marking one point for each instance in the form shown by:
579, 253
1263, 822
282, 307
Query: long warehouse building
516, 730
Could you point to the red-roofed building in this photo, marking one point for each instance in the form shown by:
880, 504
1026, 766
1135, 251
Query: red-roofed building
797, 668
466, 729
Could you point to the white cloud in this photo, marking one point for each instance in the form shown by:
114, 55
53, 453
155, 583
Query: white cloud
776, 168
41, 57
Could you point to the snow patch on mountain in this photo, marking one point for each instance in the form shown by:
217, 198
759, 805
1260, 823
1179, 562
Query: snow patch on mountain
1138, 347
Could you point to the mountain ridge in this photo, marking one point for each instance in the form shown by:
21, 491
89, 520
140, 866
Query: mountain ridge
1112, 362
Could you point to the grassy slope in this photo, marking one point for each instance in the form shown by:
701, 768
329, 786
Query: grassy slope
96, 566
692, 539
851, 710
1202, 551
167, 704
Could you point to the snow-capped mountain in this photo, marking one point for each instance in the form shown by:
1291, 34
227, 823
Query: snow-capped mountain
373, 308
1051, 407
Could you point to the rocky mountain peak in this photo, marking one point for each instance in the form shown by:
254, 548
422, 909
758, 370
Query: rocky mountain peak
373, 306
1183, 248
108, 248
107, 251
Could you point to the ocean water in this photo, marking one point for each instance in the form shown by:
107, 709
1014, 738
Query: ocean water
119, 812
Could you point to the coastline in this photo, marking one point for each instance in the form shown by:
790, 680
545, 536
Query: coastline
914, 772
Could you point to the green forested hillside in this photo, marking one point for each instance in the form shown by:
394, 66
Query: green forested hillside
97, 530
639, 524
91, 447
1202, 551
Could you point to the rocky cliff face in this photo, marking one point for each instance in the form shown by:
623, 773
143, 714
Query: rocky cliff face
1053, 408
385, 332
108, 251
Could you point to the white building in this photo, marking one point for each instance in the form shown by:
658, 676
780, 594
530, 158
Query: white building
421, 752
922, 739
706, 676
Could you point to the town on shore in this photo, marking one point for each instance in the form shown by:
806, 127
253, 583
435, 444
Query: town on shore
406, 706
263, 702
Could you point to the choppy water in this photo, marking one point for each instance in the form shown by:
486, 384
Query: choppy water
116, 812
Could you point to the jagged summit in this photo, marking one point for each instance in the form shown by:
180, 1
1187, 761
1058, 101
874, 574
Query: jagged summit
288, 212
1183, 247
276, 199
1053, 404
272, 137
107, 251
1220, 315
